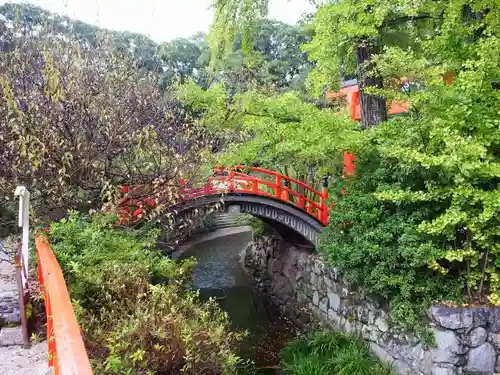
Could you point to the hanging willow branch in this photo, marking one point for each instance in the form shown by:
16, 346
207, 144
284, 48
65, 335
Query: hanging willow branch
233, 18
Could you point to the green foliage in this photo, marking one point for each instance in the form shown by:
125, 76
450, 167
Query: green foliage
377, 244
134, 309
280, 65
325, 353
280, 132
340, 28
233, 17
31, 18
259, 228
420, 222
185, 58
207, 224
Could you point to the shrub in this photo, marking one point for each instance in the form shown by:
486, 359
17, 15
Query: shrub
134, 309
378, 246
326, 353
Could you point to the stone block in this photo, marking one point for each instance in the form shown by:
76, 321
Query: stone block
481, 360
494, 320
343, 292
477, 337
371, 317
401, 367
333, 317
328, 282
444, 371
381, 324
447, 348
8, 295
334, 300
381, 353
452, 318
315, 299
323, 304
313, 278
11, 336
12, 318
366, 332
481, 316
494, 338
301, 298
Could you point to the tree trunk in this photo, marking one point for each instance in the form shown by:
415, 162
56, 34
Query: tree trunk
373, 108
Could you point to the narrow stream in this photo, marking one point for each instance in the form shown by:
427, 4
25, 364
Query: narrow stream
219, 274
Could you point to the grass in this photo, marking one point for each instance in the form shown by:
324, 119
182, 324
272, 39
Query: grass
329, 353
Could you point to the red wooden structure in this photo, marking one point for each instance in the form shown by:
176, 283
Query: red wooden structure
350, 90
267, 183
244, 180
67, 354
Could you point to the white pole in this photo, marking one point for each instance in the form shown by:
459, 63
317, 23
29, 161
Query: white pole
24, 222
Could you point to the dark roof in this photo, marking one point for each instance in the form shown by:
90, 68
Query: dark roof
349, 83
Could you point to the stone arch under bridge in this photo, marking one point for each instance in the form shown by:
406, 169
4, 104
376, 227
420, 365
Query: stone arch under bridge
276, 213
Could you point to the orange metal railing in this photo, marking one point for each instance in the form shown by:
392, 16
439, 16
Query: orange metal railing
263, 182
67, 354
244, 180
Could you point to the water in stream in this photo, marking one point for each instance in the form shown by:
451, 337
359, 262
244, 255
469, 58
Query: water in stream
219, 274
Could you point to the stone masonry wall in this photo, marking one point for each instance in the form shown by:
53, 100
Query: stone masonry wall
468, 339
9, 295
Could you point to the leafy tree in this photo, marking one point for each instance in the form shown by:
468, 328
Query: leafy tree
29, 19
281, 64
185, 58
280, 132
80, 120
420, 222
277, 63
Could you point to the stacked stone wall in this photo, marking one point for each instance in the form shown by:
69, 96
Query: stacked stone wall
468, 339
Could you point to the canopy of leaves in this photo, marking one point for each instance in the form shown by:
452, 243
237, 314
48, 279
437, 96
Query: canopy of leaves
31, 19
280, 132
185, 58
420, 223
80, 119
279, 63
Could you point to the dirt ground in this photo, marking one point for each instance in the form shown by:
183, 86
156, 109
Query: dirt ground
14, 360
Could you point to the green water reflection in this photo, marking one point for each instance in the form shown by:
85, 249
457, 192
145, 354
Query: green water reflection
219, 274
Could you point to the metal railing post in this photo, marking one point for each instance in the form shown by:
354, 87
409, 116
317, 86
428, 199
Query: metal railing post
24, 223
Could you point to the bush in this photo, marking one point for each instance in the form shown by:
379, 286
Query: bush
326, 353
378, 246
134, 309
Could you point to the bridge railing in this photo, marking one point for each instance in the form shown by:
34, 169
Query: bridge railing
263, 182
67, 354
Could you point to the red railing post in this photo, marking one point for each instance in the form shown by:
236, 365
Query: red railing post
284, 194
301, 201
255, 186
324, 214
278, 186
208, 186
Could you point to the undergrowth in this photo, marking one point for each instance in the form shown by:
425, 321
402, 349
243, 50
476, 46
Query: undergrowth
328, 353
136, 314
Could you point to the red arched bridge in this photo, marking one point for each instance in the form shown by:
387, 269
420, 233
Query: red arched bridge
271, 196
